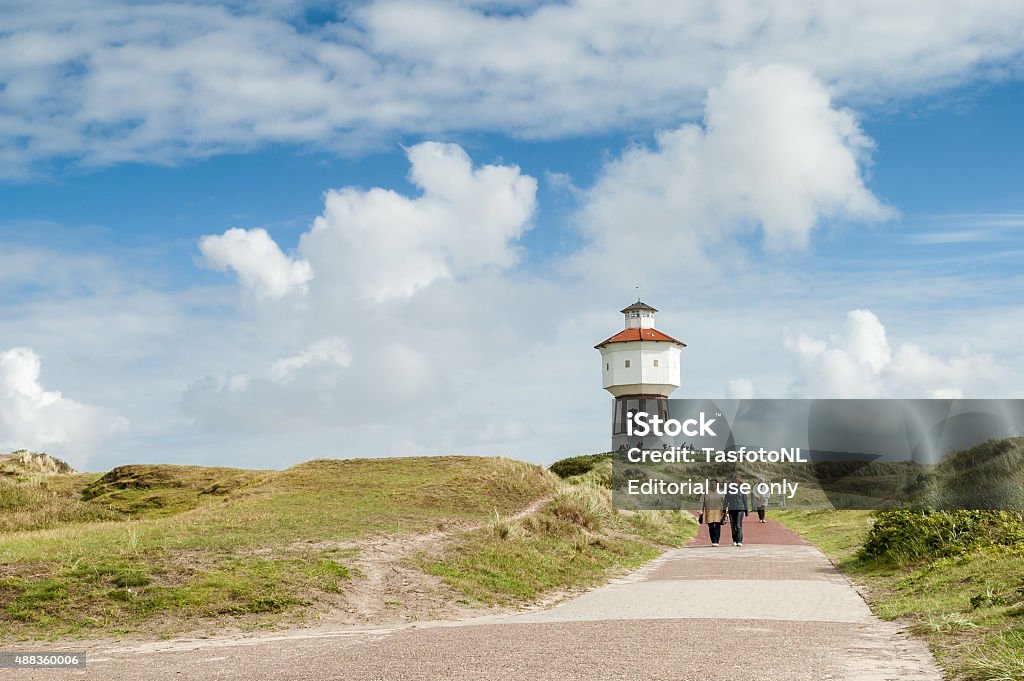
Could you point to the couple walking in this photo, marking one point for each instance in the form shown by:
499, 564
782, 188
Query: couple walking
714, 507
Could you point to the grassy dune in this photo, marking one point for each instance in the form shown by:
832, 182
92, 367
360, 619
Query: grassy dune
957, 577
573, 541
161, 549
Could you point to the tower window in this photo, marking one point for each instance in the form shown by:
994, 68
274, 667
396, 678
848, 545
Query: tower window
627, 363
655, 362
607, 366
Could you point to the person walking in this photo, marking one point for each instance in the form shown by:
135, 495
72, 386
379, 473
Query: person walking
736, 504
712, 511
761, 495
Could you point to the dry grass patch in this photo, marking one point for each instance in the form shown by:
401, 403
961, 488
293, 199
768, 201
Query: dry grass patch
245, 547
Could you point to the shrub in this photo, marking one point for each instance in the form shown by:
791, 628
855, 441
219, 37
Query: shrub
904, 537
577, 465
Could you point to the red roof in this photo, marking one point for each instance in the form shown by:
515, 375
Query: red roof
640, 335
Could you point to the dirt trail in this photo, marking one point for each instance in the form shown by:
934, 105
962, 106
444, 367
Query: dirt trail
386, 592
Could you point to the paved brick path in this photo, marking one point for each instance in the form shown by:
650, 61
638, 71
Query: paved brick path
754, 532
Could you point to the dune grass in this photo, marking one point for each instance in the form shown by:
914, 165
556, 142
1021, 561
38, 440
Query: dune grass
40, 502
154, 491
574, 541
260, 549
968, 605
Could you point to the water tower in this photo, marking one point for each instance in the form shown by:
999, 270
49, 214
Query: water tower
640, 367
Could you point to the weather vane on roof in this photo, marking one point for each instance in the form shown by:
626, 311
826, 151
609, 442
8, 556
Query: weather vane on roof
638, 293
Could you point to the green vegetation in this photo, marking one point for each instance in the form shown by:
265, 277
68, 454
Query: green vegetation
38, 491
958, 576
573, 541
162, 549
154, 491
579, 465
909, 537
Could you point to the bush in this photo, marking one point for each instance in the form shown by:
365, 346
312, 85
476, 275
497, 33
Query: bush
904, 537
577, 465
598, 476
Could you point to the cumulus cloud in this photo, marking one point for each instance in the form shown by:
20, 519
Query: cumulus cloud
405, 286
859, 362
115, 81
317, 386
425, 292
465, 221
32, 417
773, 152
262, 268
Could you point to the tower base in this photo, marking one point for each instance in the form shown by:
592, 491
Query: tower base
631, 404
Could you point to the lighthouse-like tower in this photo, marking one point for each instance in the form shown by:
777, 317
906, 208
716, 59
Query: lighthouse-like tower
640, 367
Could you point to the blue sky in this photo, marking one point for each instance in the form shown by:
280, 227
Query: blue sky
254, 234
953, 154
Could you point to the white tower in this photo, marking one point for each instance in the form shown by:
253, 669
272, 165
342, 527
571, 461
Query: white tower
640, 367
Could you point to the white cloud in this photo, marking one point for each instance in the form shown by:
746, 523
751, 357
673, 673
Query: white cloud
967, 229
419, 333
331, 352
32, 417
740, 389
116, 81
263, 269
859, 363
314, 388
447, 344
438, 263
773, 152
388, 245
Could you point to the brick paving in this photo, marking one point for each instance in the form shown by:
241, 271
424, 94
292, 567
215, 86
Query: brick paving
771, 532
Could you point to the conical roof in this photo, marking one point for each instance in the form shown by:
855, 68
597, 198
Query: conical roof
638, 305
627, 335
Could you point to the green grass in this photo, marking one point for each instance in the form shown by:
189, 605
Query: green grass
257, 552
838, 534
153, 491
969, 606
576, 540
493, 570
578, 465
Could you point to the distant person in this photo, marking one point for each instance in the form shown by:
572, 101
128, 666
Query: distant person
736, 504
761, 496
712, 511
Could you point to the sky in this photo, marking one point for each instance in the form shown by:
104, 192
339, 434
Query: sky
252, 234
